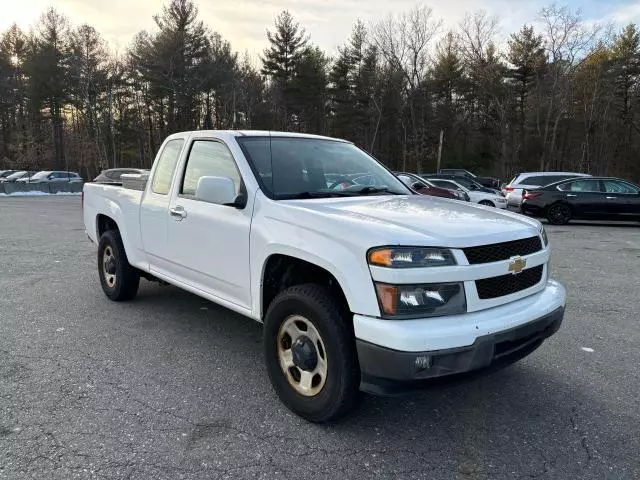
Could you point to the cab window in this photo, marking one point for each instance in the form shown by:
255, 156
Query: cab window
166, 166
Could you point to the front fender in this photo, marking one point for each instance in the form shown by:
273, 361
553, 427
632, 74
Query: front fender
349, 270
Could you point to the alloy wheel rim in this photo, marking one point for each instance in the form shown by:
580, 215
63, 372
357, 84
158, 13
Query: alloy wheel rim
559, 213
302, 355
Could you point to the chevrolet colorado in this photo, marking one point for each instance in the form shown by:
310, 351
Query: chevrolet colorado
369, 288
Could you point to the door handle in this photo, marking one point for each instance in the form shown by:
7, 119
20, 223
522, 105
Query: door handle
178, 212
611, 198
571, 195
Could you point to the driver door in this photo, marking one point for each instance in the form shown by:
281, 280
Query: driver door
210, 242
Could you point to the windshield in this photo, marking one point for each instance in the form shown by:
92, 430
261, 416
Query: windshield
39, 175
448, 184
457, 172
16, 175
288, 167
467, 183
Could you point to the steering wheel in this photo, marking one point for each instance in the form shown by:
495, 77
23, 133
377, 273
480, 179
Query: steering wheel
344, 182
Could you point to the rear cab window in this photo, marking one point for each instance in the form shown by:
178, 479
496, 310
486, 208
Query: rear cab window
166, 166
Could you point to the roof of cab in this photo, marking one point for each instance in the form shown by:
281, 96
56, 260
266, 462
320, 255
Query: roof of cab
249, 133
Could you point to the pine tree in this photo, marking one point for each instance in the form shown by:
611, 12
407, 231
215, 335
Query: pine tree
12, 94
47, 66
527, 58
280, 63
625, 53
309, 90
172, 62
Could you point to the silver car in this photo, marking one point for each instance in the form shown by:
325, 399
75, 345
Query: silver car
513, 190
52, 177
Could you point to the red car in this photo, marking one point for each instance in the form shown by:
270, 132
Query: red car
423, 187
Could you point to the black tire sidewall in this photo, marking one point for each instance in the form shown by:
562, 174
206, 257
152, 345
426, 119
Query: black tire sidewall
566, 218
126, 283
487, 203
341, 361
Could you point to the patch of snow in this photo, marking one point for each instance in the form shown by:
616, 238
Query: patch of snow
38, 194
587, 349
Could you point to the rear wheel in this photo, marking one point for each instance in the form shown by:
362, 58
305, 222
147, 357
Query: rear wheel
487, 203
118, 278
310, 353
559, 214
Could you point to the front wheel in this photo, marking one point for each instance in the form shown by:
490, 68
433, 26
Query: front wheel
310, 353
486, 203
559, 214
118, 278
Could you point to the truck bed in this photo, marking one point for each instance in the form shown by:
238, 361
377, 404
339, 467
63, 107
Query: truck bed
121, 204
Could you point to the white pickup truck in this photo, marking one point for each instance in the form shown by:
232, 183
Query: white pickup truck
371, 288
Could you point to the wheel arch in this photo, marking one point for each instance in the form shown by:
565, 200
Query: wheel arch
281, 271
104, 223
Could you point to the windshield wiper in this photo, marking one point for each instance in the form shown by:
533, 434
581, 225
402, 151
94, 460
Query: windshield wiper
336, 193
370, 189
305, 195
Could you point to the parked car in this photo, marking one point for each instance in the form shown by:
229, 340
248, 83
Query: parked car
14, 177
360, 288
513, 190
466, 182
6, 173
423, 187
113, 175
483, 198
52, 176
490, 182
598, 198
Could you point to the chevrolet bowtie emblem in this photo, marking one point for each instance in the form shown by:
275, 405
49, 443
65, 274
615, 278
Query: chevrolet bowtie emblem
517, 265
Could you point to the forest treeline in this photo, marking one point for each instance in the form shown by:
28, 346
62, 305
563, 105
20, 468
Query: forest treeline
559, 94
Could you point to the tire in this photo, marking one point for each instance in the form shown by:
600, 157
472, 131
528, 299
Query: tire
338, 393
487, 203
559, 214
119, 279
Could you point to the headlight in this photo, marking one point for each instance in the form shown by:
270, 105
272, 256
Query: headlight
410, 257
415, 301
545, 240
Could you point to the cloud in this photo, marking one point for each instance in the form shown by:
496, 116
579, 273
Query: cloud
626, 14
328, 22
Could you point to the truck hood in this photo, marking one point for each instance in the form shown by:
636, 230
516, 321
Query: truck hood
414, 220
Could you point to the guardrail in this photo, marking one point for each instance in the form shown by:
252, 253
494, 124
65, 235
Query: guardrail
53, 187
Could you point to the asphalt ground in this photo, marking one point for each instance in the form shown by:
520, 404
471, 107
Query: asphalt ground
171, 386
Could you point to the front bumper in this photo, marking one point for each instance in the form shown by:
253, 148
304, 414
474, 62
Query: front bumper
486, 341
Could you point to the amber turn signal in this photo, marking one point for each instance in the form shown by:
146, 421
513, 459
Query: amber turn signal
381, 257
388, 296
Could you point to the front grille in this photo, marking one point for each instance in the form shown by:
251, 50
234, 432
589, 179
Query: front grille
507, 284
502, 251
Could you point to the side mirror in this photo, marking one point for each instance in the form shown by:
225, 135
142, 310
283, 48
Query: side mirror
219, 190
417, 186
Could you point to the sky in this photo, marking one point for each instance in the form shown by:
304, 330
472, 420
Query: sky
328, 22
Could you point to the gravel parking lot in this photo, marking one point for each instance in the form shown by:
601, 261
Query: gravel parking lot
172, 386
